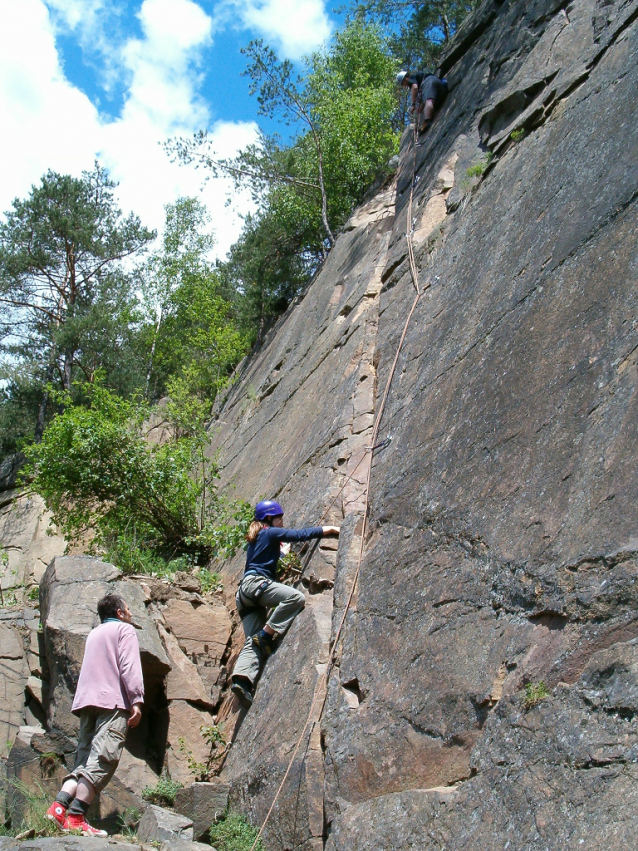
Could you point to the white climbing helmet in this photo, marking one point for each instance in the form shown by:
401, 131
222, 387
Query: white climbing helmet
401, 77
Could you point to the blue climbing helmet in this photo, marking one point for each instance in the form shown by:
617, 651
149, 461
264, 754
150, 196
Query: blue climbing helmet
267, 508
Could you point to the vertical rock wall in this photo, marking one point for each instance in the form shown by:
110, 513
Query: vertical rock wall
502, 529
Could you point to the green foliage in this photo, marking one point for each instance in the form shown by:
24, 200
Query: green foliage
67, 306
290, 566
128, 822
210, 581
215, 739
34, 593
534, 694
212, 735
234, 833
341, 114
199, 769
163, 793
420, 28
146, 505
35, 801
192, 339
517, 135
479, 168
228, 533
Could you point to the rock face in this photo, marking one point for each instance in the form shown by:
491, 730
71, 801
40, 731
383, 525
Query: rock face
501, 546
39, 668
28, 538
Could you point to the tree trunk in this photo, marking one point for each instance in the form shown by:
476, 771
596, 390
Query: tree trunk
68, 368
42, 412
152, 355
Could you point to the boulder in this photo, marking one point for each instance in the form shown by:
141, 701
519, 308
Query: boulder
204, 803
202, 631
70, 589
160, 825
186, 743
14, 673
28, 537
182, 681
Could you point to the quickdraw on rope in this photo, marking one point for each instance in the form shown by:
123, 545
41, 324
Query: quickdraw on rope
321, 688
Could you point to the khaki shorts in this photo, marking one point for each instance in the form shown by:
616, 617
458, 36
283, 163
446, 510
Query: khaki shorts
100, 745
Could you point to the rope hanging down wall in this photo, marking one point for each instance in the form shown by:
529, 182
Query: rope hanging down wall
321, 688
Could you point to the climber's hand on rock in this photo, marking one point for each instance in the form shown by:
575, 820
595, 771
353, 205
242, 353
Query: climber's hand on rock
330, 530
136, 716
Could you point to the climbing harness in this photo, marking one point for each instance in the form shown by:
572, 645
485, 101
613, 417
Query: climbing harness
322, 682
245, 602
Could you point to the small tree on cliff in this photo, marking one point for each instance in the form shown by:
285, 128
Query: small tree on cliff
61, 285
421, 28
340, 111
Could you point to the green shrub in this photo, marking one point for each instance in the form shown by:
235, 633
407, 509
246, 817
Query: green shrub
150, 509
163, 793
517, 135
234, 833
210, 581
534, 693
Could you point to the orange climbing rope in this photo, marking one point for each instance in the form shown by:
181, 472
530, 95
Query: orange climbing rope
322, 684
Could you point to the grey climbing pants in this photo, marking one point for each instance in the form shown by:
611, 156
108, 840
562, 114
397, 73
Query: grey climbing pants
100, 745
287, 603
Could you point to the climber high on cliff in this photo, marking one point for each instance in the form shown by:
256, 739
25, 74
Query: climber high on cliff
428, 93
259, 591
108, 700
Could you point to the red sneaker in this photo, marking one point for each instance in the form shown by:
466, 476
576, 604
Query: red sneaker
75, 822
57, 813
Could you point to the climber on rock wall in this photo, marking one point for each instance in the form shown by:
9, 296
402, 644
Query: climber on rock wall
109, 700
428, 92
259, 591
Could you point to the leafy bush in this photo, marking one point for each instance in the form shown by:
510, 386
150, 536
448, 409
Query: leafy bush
163, 793
209, 581
517, 135
234, 833
150, 508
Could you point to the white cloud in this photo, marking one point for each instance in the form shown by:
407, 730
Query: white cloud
77, 13
49, 123
294, 27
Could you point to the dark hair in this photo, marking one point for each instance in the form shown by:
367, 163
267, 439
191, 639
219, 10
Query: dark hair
108, 606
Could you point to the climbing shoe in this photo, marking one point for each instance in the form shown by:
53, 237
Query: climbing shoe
265, 644
425, 125
242, 690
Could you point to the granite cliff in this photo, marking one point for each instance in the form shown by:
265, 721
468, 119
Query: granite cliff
501, 542
502, 529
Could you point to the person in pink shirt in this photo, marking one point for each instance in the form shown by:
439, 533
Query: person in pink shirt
108, 699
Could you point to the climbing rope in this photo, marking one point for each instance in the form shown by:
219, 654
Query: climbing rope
322, 683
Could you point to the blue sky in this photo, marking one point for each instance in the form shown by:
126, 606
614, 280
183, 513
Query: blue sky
113, 79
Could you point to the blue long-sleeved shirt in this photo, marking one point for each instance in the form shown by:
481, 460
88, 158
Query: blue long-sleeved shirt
262, 554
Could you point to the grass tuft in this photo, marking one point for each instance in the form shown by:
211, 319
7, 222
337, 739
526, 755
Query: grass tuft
534, 693
233, 833
163, 793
